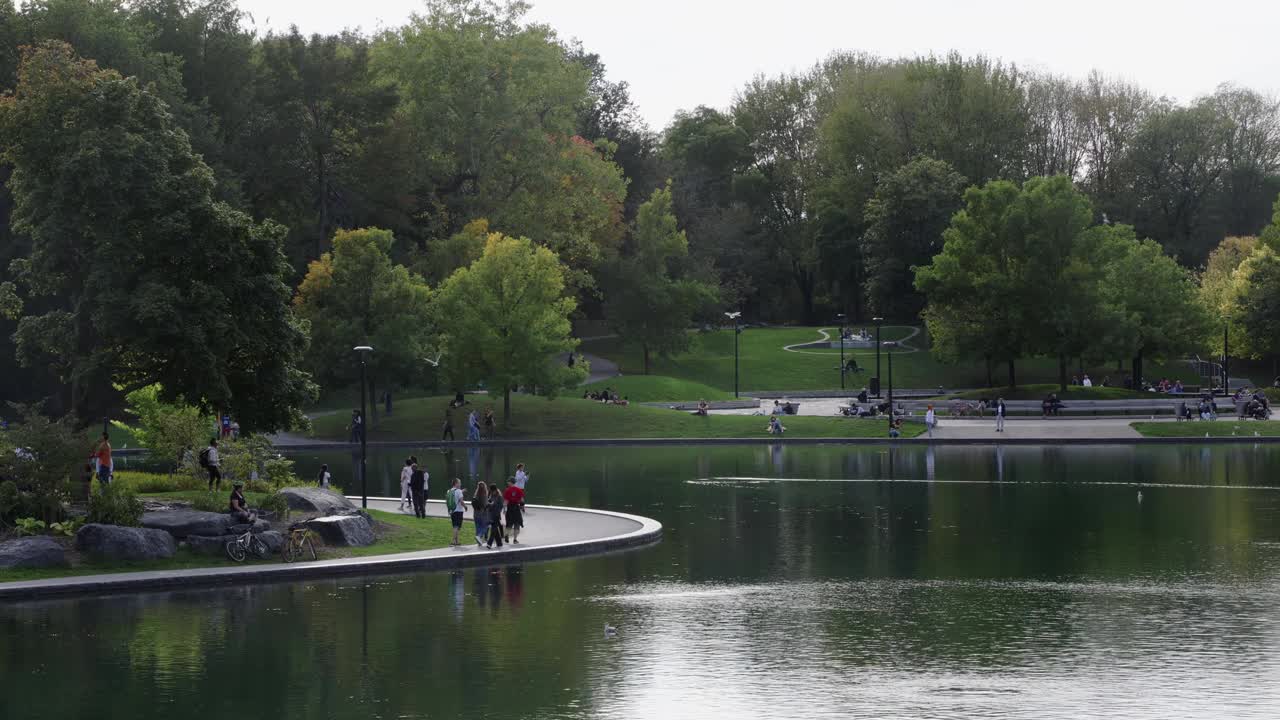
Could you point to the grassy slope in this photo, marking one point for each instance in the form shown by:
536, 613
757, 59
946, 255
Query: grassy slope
1242, 429
405, 534
659, 388
764, 365
569, 418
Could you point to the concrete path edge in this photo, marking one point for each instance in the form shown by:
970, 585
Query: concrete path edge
648, 532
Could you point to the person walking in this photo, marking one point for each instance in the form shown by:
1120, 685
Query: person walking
514, 498
209, 459
418, 489
473, 426
324, 477
522, 477
406, 473
103, 455
490, 424
1000, 412
448, 424
480, 512
457, 506
495, 518
930, 419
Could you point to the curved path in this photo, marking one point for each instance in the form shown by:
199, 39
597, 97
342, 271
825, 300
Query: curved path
550, 533
904, 344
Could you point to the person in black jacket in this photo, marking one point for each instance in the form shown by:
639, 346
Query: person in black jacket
495, 518
418, 489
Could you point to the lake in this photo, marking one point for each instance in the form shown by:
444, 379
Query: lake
792, 581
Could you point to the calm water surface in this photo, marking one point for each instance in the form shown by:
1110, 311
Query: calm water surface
1027, 582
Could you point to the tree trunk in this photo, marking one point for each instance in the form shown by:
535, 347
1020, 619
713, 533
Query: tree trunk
991, 381
1062, 373
1137, 371
506, 405
1013, 378
645, 348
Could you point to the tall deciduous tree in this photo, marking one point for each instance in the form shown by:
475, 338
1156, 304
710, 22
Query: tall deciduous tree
911, 209
139, 276
1255, 304
650, 300
503, 318
354, 295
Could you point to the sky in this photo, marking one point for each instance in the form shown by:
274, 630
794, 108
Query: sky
678, 54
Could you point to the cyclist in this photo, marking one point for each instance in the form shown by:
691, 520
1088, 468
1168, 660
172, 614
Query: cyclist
239, 509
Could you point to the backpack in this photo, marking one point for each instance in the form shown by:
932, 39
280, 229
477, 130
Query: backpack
204, 458
451, 499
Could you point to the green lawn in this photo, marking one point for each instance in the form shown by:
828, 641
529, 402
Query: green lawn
407, 534
764, 365
1039, 391
658, 388
572, 418
1193, 429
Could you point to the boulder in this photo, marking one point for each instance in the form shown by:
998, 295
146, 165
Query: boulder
316, 500
40, 551
181, 523
272, 539
343, 530
114, 542
259, 526
208, 544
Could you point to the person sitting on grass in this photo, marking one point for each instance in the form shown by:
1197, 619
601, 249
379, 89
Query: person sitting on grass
775, 426
239, 508
702, 409
895, 428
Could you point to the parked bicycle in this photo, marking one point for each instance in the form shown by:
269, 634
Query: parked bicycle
298, 546
239, 547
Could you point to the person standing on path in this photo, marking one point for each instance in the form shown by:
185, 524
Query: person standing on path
406, 473
473, 427
448, 424
930, 419
522, 479
480, 512
103, 455
495, 518
211, 464
418, 488
490, 424
324, 477
514, 498
1000, 411
453, 500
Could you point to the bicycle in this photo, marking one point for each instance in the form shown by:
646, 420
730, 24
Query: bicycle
241, 545
298, 545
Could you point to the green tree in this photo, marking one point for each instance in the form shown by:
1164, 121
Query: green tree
1255, 304
911, 209
650, 301
169, 430
354, 295
135, 274
42, 456
503, 318
1271, 233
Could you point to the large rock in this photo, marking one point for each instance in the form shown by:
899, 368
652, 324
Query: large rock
317, 500
41, 551
343, 530
272, 539
114, 542
259, 526
181, 523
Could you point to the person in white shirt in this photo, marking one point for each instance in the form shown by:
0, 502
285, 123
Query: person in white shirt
324, 477
405, 473
1000, 411
211, 464
930, 419
522, 477
1086, 381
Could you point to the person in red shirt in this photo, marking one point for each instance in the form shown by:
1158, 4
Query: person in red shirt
103, 455
514, 497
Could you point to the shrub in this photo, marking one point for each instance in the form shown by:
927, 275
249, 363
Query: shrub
275, 503
8, 498
67, 527
146, 482
51, 452
167, 429
115, 505
211, 502
30, 526
278, 472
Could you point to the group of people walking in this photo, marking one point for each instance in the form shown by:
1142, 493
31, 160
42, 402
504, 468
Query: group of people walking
490, 505
479, 427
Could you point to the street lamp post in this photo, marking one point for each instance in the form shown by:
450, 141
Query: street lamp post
737, 330
364, 351
841, 316
888, 348
878, 321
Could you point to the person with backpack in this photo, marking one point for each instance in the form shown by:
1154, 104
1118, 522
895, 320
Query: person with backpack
418, 488
324, 477
406, 473
209, 461
456, 506
495, 518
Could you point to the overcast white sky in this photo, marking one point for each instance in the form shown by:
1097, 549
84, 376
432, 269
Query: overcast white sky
683, 53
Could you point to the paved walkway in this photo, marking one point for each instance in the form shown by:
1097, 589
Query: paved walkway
550, 532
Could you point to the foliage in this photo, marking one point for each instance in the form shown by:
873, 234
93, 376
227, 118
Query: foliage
68, 527
9, 495
354, 295
29, 526
1255, 304
115, 504
649, 299
211, 502
239, 459
276, 504
170, 430
43, 456
135, 273
144, 483
1271, 233
502, 318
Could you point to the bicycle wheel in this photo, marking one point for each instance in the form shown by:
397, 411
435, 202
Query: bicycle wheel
289, 552
235, 550
257, 547
310, 550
